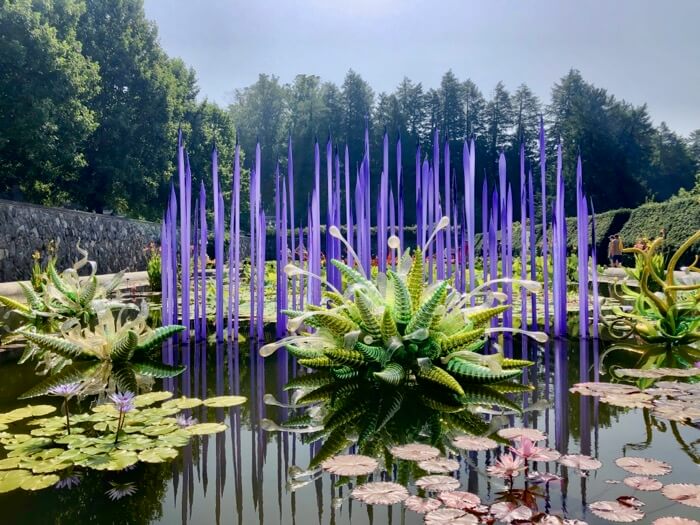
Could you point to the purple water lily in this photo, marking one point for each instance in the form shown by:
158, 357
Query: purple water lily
66, 391
124, 402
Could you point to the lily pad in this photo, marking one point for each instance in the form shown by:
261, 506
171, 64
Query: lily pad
145, 400
224, 401
205, 428
9, 463
11, 479
183, 403
39, 482
158, 454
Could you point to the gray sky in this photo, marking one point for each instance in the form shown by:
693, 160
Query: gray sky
640, 50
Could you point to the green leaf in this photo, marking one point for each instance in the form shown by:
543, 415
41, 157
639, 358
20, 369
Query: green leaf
158, 336
124, 348
125, 379
73, 373
224, 401
157, 370
87, 294
205, 428
479, 374
423, 317
57, 345
393, 374
402, 298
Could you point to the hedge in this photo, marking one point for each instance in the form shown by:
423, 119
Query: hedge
680, 217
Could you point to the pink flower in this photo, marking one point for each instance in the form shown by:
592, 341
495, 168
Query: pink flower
527, 450
507, 466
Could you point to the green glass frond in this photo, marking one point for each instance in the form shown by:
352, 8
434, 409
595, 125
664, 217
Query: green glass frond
477, 373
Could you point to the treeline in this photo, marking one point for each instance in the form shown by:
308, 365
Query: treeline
91, 105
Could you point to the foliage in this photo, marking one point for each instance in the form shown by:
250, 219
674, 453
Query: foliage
680, 217
153, 267
47, 85
396, 330
146, 433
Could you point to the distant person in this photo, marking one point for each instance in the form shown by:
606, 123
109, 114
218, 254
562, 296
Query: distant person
615, 251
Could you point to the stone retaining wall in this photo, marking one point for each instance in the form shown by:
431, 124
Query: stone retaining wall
113, 242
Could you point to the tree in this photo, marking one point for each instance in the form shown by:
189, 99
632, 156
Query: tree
47, 86
452, 106
358, 99
674, 166
130, 155
260, 113
499, 121
526, 122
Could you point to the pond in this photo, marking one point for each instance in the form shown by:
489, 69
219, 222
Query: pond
251, 475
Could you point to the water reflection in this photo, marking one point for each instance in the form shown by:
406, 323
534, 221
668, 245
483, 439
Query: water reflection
243, 475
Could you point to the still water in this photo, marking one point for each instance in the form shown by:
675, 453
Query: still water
242, 476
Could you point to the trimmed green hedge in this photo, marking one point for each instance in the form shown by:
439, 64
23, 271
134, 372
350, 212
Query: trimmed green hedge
680, 217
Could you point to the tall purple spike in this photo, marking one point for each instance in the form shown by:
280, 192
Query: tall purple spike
184, 239
283, 291
392, 224
582, 226
494, 250
469, 204
236, 199
533, 244
261, 275
559, 253
278, 253
420, 236
195, 273
330, 244
448, 208
290, 187
253, 247
523, 234
507, 260
594, 273
399, 189
349, 228
383, 208
218, 246
545, 242
485, 228
203, 235
315, 230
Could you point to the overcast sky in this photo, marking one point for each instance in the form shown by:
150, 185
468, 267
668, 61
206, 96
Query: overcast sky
640, 50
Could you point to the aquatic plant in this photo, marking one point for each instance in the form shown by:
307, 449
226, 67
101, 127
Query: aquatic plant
112, 436
398, 330
114, 349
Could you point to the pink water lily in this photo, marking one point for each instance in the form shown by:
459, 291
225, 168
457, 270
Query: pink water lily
439, 465
542, 477
459, 499
380, 493
421, 505
685, 493
675, 520
615, 511
643, 483
451, 516
580, 462
474, 443
507, 511
415, 452
507, 466
527, 450
350, 465
643, 466
437, 483
518, 433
